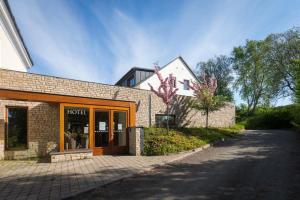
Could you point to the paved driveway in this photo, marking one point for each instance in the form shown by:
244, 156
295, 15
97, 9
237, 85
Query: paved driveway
31, 180
258, 165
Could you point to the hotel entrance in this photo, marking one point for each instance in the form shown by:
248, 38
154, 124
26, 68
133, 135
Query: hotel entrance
110, 132
102, 129
84, 125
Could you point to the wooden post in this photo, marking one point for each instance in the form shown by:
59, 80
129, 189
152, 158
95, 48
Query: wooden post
91, 127
61, 127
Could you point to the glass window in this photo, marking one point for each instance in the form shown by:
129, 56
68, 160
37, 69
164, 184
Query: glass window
119, 138
131, 81
76, 128
186, 84
16, 128
161, 120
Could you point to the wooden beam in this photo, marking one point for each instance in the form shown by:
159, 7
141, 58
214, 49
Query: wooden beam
132, 115
91, 127
55, 98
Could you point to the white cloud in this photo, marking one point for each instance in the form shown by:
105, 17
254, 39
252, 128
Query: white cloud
130, 43
59, 40
216, 34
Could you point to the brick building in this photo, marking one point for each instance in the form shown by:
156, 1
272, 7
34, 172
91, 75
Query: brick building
66, 115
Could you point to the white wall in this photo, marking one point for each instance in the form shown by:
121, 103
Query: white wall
178, 69
9, 57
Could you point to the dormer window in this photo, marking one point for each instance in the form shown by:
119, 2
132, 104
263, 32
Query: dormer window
186, 84
131, 81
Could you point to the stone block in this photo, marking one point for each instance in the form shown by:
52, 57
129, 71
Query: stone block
68, 156
136, 141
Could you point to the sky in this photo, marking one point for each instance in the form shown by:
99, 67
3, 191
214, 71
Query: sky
100, 40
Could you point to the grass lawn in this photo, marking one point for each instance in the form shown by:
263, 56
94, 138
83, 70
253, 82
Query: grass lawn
159, 142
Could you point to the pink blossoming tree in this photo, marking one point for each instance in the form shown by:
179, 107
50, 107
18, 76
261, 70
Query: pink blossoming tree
166, 90
204, 92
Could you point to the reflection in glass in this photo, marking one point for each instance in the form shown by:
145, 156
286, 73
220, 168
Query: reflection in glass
101, 129
119, 129
17, 128
161, 120
76, 127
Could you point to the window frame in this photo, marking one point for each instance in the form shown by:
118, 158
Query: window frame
6, 129
162, 115
174, 82
88, 121
184, 84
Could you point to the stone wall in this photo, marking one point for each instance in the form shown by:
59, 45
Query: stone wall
185, 116
43, 129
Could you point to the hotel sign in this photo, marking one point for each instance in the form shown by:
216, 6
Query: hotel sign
76, 111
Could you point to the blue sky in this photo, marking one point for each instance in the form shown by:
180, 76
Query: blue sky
101, 40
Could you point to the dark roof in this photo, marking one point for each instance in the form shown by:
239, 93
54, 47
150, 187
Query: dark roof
133, 69
17, 28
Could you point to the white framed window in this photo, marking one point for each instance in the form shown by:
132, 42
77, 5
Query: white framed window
186, 84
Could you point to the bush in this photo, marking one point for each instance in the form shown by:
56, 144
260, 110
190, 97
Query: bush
159, 142
241, 113
296, 117
273, 118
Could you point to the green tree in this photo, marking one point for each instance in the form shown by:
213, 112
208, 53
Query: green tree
220, 67
255, 78
297, 84
284, 49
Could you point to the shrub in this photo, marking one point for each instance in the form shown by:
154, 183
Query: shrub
296, 117
241, 113
160, 142
272, 118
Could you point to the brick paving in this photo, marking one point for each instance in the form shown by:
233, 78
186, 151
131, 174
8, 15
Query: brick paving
33, 180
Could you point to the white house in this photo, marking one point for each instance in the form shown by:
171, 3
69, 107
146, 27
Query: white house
13, 53
142, 77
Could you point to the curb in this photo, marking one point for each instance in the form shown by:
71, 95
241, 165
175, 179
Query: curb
191, 152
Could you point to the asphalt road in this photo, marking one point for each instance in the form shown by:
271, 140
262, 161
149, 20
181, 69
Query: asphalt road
257, 165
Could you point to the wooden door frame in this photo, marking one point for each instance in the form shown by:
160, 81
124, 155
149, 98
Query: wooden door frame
111, 149
102, 149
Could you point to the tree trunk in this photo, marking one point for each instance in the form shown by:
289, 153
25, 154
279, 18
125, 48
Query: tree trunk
206, 123
167, 118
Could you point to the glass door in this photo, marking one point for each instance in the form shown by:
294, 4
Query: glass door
119, 128
110, 132
101, 131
